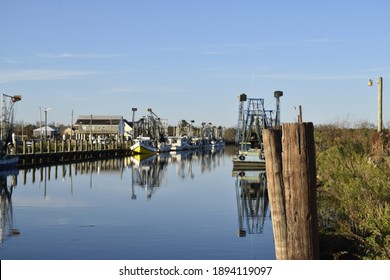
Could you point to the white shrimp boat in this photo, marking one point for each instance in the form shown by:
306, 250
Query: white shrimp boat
251, 159
251, 122
179, 143
163, 147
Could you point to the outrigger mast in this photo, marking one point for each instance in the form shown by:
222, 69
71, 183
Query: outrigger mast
7, 115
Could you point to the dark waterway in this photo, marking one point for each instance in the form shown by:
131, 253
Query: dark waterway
185, 206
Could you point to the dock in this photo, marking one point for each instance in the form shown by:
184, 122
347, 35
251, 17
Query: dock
65, 151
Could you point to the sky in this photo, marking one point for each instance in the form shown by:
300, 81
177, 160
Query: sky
190, 59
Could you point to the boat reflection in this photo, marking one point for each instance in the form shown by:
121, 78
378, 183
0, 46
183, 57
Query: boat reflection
6, 211
252, 201
149, 172
207, 161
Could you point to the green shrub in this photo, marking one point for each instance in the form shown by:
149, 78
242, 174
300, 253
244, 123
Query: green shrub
354, 192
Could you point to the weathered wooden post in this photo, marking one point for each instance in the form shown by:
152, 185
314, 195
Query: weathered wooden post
272, 139
33, 147
291, 174
24, 147
41, 146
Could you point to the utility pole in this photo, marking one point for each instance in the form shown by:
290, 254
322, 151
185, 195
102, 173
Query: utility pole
46, 124
71, 126
46, 109
380, 94
90, 130
134, 132
40, 120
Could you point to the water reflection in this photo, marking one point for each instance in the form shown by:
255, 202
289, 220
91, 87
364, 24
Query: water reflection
149, 172
7, 226
252, 201
170, 206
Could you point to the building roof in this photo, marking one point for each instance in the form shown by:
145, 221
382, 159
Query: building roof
48, 129
98, 120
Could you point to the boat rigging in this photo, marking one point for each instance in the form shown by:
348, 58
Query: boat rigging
7, 115
7, 157
251, 122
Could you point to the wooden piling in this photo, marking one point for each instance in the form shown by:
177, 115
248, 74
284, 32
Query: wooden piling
291, 174
273, 152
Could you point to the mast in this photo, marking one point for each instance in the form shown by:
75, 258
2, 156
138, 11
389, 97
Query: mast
241, 117
7, 115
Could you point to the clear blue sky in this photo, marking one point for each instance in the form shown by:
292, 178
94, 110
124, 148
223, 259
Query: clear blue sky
191, 59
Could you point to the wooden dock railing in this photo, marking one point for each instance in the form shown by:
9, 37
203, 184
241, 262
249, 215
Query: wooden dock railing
40, 152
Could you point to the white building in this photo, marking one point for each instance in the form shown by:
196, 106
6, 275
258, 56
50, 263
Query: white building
103, 127
50, 132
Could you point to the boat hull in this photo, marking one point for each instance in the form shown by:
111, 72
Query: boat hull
162, 148
142, 148
8, 161
248, 160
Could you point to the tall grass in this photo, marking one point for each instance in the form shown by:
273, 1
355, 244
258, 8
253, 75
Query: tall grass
354, 192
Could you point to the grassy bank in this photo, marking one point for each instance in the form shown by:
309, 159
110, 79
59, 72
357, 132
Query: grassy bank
353, 192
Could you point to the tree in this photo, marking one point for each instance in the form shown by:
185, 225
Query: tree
229, 135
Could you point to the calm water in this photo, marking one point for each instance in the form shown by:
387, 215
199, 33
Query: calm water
177, 206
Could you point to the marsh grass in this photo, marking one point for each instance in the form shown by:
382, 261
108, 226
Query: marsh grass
353, 169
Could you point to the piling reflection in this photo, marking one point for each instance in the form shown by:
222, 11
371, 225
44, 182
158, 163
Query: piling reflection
252, 201
7, 226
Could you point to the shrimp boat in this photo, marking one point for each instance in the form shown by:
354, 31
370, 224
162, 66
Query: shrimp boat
251, 121
8, 159
153, 137
250, 159
143, 145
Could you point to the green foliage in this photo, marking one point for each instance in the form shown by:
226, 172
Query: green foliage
353, 200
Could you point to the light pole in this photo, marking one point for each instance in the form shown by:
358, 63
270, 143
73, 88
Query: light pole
191, 128
380, 94
277, 95
134, 110
90, 131
46, 109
